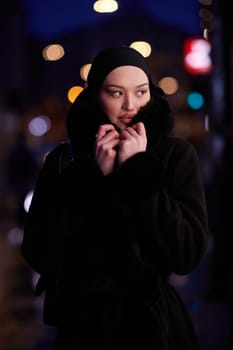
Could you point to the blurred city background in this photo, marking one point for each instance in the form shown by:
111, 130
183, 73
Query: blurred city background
46, 50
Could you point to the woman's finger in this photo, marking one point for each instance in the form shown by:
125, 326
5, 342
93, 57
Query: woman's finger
140, 128
103, 130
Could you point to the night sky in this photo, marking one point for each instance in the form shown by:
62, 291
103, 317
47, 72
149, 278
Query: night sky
47, 19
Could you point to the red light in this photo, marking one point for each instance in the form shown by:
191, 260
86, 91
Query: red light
197, 58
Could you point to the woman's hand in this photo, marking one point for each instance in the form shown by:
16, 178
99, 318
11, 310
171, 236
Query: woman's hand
132, 140
107, 139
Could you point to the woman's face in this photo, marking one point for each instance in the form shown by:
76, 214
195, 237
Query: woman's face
123, 92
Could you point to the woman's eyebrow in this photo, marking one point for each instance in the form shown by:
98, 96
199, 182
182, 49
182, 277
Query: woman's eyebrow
120, 86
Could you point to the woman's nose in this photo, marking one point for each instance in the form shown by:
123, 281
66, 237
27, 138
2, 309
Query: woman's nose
128, 103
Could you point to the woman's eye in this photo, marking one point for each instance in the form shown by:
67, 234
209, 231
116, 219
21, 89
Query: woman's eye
142, 92
115, 93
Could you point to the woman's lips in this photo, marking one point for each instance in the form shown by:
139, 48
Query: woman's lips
126, 119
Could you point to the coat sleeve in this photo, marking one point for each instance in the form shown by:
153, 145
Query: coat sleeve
42, 231
59, 206
168, 205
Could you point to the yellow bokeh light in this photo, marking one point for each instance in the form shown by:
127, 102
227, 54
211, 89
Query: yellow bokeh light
105, 6
85, 70
169, 85
143, 47
74, 92
53, 52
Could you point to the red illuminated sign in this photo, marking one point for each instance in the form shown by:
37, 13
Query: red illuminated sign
197, 59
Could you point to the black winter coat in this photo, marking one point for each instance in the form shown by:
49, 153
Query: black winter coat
114, 241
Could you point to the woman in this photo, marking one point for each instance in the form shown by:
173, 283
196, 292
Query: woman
127, 212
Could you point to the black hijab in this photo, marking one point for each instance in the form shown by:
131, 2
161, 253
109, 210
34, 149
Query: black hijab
111, 58
85, 115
